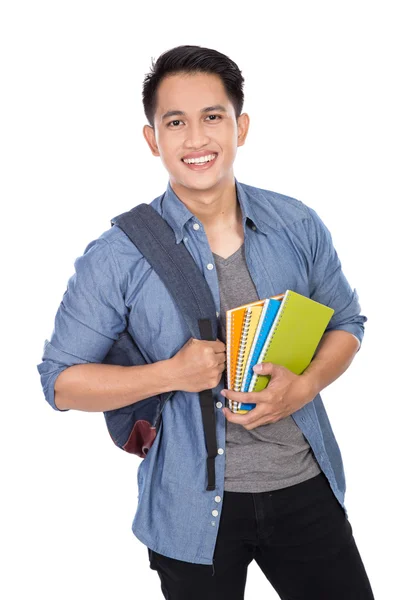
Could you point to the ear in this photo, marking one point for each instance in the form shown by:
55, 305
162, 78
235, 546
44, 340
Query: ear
149, 136
243, 124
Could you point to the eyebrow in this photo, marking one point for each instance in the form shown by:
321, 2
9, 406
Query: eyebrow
172, 113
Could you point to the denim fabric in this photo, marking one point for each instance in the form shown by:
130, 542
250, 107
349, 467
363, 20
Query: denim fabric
286, 247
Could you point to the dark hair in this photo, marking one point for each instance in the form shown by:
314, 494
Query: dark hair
192, 59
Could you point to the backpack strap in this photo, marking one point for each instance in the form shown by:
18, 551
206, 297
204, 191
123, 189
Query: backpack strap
155, 239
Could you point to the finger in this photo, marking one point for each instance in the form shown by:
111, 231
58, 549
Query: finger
246, 397
219, 346
247, 419
266, 368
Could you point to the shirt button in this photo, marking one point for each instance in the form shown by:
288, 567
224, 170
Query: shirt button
254, 227
217, 313
210, 266
219, 405
220, 450
217, 498
213, 523
185, 239
214, 513
196, 226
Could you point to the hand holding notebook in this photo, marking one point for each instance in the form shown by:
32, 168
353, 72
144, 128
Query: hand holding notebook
284, 330
285, 394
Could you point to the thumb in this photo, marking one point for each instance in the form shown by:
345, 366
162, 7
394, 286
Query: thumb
264, 368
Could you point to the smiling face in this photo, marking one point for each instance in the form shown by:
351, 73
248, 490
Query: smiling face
195, 118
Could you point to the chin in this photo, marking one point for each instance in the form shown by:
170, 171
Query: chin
197, 181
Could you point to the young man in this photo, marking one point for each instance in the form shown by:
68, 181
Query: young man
279, 493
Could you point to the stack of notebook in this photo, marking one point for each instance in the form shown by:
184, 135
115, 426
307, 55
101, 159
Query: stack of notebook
284, 329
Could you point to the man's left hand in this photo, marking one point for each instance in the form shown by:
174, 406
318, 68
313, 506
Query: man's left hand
285, 393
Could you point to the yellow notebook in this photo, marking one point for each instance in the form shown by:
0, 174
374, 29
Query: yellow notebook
234, 326
250, 323
294, 336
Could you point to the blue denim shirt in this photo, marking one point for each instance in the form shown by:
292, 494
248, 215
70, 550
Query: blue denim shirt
286, 247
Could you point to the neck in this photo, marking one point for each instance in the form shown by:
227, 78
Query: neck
217, 208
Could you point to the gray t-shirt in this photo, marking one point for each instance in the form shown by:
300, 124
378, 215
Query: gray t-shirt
274, 455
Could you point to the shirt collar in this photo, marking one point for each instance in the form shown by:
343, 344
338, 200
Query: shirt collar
174, 211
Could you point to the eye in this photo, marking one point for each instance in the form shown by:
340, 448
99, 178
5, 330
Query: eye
174, 121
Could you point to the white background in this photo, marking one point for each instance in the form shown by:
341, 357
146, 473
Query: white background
321, 91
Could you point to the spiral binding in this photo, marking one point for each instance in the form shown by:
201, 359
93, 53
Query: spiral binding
228, 345
233, 405
261, 321
269, 339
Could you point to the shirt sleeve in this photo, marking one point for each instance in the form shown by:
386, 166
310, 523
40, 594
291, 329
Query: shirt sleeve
328, 285
89, 319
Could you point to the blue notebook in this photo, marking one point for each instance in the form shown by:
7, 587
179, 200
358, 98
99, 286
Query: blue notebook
267, 317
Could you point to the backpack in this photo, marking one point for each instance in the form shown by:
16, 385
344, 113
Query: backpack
134, 428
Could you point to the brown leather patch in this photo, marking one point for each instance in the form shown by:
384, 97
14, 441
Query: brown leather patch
141, 439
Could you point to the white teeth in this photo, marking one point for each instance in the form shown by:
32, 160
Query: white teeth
200, 160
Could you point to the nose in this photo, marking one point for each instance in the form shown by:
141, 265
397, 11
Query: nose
196, 136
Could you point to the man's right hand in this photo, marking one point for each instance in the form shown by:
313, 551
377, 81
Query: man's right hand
198, 365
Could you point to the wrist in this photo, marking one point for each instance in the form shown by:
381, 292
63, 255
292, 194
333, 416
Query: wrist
166, 375
308, 387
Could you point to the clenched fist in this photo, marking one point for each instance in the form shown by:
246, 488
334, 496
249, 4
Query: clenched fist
198, 365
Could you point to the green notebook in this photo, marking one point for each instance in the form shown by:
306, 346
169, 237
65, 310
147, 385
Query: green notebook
294, 336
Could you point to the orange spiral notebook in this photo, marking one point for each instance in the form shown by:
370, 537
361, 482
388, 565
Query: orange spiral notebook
250, 322
234, 326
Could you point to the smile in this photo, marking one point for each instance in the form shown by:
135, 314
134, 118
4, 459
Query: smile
200, 164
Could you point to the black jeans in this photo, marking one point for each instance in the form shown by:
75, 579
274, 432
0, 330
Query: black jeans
299, 536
